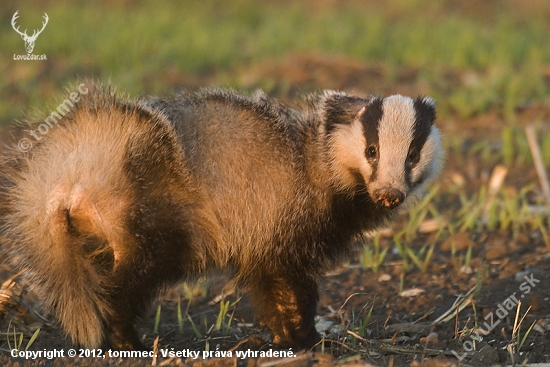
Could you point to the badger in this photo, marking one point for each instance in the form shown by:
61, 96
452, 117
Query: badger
125, 197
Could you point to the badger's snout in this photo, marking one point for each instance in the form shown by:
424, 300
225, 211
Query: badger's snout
389, 197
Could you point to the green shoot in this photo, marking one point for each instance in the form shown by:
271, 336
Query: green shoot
372, 257
179, 315
32, 339
421, 264
468, 257
525, 335
366, 320
157, 320
194, 327
224, 306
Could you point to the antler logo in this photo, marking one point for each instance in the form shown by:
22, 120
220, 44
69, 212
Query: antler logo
29, 40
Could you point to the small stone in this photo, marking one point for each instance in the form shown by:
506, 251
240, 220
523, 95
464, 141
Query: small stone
412, 292
384, 278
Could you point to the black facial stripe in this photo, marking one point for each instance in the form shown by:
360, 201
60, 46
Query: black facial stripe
408, 174
424, 118
371, 120
419, 181
358, 177
340, 110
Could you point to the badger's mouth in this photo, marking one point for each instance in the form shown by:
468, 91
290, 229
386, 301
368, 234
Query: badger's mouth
388, 197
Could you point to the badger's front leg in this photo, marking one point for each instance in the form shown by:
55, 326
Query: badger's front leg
287, 305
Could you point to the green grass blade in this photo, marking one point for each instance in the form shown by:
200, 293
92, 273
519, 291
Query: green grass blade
194, 327
32, 339
157, 320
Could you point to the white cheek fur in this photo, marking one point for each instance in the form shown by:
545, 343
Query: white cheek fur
430, 158
348, 153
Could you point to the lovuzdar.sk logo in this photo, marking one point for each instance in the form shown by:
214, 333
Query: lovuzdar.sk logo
29, 40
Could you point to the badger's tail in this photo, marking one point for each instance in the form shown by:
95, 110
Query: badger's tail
80, 265
68, 257
62, 208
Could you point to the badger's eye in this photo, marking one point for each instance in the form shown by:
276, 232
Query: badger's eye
413, 157
372, 152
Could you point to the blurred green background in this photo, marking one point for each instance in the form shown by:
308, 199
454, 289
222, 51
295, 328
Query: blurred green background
472, 56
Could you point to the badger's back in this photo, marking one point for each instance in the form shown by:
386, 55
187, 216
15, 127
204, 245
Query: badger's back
249, 159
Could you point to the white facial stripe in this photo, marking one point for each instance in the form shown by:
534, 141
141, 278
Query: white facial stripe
348, 144
395, 134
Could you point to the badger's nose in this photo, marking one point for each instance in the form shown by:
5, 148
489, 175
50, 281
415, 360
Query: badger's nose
389, 197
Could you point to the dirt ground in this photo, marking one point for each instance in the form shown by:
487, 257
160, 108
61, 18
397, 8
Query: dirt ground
505, 268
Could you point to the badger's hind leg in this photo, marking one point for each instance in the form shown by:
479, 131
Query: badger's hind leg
287, 305
106, 271
162, 249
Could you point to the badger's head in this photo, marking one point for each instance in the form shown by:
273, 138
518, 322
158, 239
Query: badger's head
388, 146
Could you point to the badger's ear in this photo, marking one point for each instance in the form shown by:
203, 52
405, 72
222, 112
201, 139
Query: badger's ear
360, 113
338, 108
